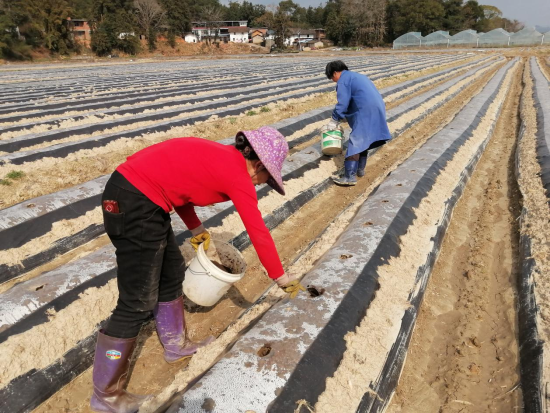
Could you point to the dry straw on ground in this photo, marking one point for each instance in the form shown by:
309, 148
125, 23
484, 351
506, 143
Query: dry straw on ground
373, 338
536, 222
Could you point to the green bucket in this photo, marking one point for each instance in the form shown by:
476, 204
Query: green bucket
331, 142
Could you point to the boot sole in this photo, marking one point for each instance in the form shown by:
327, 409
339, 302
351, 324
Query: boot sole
102, 408
345, 184
178, 360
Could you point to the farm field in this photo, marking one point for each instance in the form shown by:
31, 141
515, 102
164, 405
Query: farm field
432, 268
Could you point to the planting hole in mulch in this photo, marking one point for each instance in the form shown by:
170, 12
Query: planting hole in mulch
345, 256
39, 288
264, 350
209, 404
315, 291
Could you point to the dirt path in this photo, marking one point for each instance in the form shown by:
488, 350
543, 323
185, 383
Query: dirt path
151, 374
464, 355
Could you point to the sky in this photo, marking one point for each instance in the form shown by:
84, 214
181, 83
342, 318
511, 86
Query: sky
530, 12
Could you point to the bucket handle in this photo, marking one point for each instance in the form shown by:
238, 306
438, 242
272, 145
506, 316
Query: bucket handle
199, 272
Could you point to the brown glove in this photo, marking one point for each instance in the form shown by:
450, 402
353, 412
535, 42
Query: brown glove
289, 284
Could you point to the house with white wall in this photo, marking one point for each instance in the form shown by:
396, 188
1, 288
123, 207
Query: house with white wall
191, 38
238, 34
221, 30
299, 35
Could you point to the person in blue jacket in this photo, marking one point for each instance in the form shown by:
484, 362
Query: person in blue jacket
360, 103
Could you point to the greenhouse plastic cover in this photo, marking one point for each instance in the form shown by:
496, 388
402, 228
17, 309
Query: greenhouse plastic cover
465, 37
437, 38
408, 40
526, 36
497, 37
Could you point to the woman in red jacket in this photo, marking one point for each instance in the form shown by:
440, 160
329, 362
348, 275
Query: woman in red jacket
176, 174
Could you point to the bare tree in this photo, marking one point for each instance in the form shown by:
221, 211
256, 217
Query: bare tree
212, 16
369, 19
149, 15
279, 21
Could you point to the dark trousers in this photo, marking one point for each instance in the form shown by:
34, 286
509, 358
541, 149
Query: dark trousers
150, 264
365, 153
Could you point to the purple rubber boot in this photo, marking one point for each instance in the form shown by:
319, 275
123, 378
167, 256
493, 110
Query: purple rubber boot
111, 365
170, 321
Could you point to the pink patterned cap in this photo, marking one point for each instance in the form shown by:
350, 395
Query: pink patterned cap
271, 147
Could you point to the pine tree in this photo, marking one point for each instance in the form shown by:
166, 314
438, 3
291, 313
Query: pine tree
453, 21
114, 27
82, 9
50, 19
12, 16
339, 28
425, 16
178, 19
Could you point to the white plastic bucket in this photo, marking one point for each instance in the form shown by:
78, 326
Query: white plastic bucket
331, 141
204, 282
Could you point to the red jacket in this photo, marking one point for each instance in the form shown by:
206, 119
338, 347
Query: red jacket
183, 173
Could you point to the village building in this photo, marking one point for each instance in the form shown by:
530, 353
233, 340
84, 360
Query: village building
191, 38
301, 36
257, 34
262, 36
81, 30
238, 34
225, 31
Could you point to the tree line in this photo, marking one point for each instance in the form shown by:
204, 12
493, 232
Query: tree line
117, 24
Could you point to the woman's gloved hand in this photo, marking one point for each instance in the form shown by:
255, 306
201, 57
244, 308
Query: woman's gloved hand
200, 235
289, 284
333, 125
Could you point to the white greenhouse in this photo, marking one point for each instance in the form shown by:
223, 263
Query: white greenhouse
412, 39
527, 36
497, 37
435, 39
465, 38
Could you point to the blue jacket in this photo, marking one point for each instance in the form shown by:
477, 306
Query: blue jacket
362, 105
